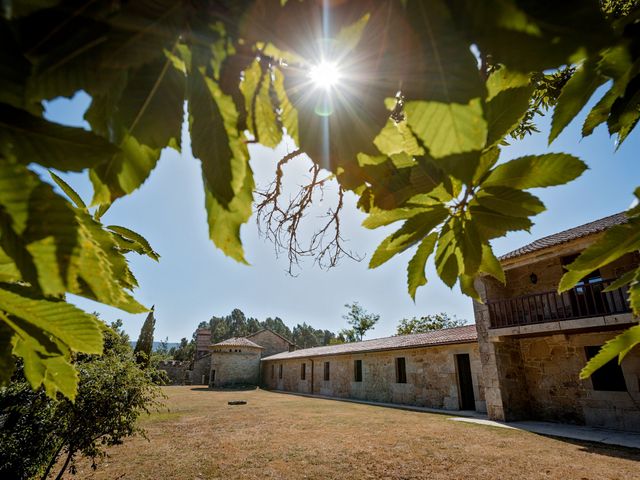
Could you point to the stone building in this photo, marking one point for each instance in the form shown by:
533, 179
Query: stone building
236, 361
534, 342
438, 369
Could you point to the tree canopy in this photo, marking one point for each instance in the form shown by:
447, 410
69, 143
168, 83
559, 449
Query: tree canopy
427, 323
430, 90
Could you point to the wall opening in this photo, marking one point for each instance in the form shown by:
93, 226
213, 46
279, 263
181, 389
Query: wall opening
465, 382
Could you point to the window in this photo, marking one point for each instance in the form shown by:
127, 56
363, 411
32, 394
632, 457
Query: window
303, 371
609, 377
280, 371
401, 370
273, 371
326, 371
357, 370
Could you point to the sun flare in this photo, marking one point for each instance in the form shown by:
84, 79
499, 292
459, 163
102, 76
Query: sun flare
324, 75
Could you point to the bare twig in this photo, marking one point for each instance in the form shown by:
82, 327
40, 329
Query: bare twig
280, 223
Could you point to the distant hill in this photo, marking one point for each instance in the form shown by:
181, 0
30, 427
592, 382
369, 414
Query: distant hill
156, 345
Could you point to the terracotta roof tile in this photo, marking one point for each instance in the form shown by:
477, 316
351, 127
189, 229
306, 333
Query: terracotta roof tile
568, 235
463, 334
236, 342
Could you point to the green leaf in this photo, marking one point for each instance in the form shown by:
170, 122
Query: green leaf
617, 241
503, 79
288, 114
625, 279
225, 223
509, 201
492, 224
71, 193
491, 265
411, 232
378, 217
152, 104
76, 329
505, 111
415, 269
7, 363
137, 239
536, 171
448, 128
442, 68
575, 94
447, 256
124, 173
261, 116
214, 138
467, 287
34, 140
397, 138
616, 347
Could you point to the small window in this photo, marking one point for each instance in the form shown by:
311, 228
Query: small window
357, 370
401, 370
303, 371
280, 371
609, 377
326, 371
273, 371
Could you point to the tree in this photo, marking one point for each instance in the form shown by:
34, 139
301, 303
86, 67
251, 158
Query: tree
185, 351
428, 157
42, 436
360, 320
427, 323
144, 345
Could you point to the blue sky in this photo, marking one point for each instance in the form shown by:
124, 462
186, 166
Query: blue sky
194, 281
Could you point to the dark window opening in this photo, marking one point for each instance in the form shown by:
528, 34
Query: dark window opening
326, 371
357, 370
401, 370
609, 377
273, 371
303, 371
280, 371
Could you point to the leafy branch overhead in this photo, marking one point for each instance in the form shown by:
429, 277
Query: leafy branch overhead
414, 131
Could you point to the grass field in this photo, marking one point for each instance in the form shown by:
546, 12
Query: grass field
199, 436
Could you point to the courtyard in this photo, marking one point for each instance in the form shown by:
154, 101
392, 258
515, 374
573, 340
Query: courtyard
197, 435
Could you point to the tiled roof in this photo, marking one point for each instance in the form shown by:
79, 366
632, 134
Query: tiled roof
568, 235
463, 334
236, 342
275, 333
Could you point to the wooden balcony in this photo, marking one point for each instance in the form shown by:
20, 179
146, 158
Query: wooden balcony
583, 301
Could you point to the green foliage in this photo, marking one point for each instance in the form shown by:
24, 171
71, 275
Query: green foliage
428, 323
616, 347
41, 434
360, 321
144, 345
429, 156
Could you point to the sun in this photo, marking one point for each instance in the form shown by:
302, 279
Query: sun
324, 75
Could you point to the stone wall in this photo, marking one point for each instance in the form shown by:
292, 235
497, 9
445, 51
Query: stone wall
432, 379
200, 370
271, 342
241, 366
177, 372
551, 366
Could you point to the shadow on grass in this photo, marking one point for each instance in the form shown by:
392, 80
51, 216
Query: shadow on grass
617, 451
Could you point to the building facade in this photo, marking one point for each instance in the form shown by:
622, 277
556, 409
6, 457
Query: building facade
438, 369
534, 342
521, 360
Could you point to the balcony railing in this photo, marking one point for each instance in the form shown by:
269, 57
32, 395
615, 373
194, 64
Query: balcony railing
585, 300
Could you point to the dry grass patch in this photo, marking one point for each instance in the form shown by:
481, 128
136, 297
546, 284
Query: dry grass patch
282, 436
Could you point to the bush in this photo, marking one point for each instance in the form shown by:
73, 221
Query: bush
38, 433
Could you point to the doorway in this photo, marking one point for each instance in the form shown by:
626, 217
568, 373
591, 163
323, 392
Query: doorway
465, 382
213, 378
